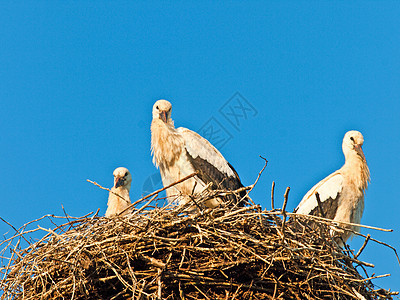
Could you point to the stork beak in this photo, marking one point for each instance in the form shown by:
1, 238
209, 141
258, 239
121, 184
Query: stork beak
120, 182
163, 116
359, 151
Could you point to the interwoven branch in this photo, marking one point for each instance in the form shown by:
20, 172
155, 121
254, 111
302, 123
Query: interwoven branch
165, 253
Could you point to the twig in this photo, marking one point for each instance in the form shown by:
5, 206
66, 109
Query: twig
259, 173
159, 284
272, 195
374, 277
285, 197
340, 222
251, 187
107, 189
273, 209
142, 208
15, 230
159, 191
363, 246
379, 242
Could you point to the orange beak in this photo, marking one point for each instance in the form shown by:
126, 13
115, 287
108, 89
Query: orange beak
119, 182
359, 151
163, 116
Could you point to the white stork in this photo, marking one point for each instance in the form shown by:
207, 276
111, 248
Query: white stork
342, 193
179, 152
122, 185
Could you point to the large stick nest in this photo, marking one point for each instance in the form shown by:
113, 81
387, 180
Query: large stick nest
165, 253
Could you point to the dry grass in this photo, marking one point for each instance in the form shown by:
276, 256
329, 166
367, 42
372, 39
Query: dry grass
165, 253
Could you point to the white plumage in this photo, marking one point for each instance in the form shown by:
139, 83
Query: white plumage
122, 185
181, 152
342, 192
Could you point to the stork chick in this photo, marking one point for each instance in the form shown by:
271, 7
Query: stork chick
122, 185
342, 192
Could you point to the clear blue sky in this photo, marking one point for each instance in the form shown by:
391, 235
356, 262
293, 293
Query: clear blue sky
78, 80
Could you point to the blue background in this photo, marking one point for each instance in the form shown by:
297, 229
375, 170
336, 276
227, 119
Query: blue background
78, 80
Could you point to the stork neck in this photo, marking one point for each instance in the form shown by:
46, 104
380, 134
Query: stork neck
123, 192
166, 142
356, 170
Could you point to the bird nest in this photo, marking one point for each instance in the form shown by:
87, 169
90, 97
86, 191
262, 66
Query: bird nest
167, 253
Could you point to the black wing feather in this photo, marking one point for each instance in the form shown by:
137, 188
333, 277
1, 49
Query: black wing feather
329, 207
209, 173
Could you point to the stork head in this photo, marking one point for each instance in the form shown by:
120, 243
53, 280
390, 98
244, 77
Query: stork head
353, 141
162, 110
122, 178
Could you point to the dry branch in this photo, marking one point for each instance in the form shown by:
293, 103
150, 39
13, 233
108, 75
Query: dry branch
165, 253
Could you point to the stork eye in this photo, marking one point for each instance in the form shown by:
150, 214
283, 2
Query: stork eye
126, 174
352, 138
157, 107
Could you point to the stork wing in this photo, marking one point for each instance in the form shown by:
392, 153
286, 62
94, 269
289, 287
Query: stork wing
210, 163
329, 190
